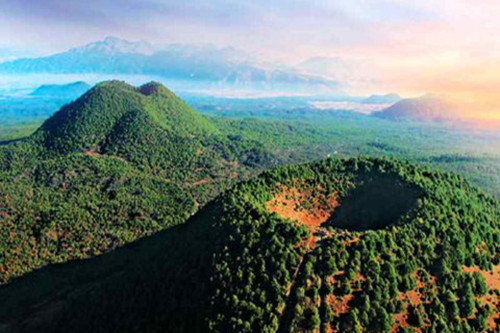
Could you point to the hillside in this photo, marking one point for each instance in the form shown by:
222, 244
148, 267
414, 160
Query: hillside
116, 108
70, 90
340, 245
425, 108
117, 164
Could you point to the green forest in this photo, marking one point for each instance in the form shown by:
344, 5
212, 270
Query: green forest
299, 133
128, 211
115, 165
236, 266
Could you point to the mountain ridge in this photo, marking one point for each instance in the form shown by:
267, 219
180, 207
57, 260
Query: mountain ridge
207, 65
390, 98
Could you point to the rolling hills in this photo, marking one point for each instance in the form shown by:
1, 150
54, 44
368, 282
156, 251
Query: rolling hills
340, 245
71, 90
425, 108
117, 164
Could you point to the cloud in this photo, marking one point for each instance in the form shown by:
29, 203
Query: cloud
258, 23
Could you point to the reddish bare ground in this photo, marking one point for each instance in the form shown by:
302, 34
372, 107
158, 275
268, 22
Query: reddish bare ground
494, 301
92, 153
492, 279
482, 247
339, 304
199, 182
414, 297
351, 241
298, 205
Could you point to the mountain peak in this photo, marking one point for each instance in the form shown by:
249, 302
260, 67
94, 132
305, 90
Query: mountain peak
430, 107
113, 45
154, 88
112, 108
113, 39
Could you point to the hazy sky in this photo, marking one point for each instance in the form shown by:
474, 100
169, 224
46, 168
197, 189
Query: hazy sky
412, 47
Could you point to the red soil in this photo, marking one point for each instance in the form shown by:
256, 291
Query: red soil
200, 182
289, 201
339, 304
92, 153
492, 279
414, 297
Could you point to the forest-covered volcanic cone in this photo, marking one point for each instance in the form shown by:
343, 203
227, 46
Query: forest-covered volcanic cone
117, 164
244, 263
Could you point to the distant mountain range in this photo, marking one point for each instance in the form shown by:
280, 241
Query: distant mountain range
207, 66
331, 67
353, 74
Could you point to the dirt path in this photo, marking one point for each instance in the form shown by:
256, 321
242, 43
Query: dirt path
288, 315
300, 206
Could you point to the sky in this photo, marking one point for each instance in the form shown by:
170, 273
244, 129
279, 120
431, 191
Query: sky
449, 47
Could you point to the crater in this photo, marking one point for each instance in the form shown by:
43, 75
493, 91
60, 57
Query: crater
152, 88
374, 204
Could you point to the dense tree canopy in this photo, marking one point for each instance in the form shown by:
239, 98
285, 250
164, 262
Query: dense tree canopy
117, 164
237, 266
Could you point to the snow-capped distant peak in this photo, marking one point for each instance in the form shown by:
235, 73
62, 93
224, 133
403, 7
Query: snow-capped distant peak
116, 45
